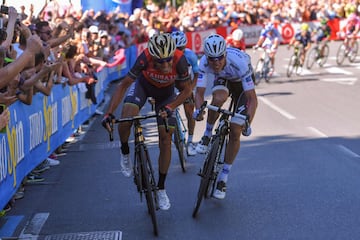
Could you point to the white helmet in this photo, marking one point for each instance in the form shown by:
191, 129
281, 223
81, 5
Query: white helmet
237, 34
214, 46
161, 46
180, 38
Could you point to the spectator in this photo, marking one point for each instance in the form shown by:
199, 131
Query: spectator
4, 118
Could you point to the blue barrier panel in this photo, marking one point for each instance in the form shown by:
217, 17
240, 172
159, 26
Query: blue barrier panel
35, 131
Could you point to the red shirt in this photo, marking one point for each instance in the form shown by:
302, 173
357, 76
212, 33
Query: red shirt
236, 44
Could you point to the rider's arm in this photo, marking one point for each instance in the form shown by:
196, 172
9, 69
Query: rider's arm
125, 83
119, 93
183, 83
193, 61
252, 103
199, 96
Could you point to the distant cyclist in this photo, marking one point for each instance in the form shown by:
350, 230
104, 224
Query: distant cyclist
236, 39
189, 104
156, 72
322, 35
302, 39
351, 30
229, 73
269, 40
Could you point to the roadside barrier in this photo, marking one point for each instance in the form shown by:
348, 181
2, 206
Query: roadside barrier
37, 130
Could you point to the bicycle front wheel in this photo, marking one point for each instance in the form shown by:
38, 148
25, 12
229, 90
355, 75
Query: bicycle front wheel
291, 66
179, 142
259, 71
206, 178
353, 53
149, 186
325, 55
340, 55
312, 57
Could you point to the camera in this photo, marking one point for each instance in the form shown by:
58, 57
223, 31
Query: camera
4, 9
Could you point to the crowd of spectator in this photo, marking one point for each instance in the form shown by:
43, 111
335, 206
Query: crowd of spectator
69, 46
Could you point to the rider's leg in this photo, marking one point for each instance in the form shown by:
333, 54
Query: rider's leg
219, 97
165, 154
189, 109
124, 128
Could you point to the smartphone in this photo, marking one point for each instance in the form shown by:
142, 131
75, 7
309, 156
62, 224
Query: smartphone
4, 9
2, 109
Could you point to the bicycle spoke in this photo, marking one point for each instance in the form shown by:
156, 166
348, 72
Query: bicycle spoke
312, 57
340, 55
353, 53
325, 55
291, 66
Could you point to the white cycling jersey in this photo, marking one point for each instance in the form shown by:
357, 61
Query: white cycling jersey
237, 68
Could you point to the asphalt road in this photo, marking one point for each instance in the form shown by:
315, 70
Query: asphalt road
296, 176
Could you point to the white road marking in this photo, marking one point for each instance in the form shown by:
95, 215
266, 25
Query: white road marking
338, 70
346, 81
32, 230
276, 108
317, 132
347, 151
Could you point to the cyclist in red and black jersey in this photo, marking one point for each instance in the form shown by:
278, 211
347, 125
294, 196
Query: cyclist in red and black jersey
157, 71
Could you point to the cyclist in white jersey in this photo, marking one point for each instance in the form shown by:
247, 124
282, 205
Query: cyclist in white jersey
231, 74
192, 59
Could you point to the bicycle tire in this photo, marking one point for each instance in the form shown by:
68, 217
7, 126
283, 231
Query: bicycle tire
259, 72
205, 175
266, 70
137, 176
352, 56
340, 55
216, 147
291, 66
312, 57
149, 186
326, 51
180, 146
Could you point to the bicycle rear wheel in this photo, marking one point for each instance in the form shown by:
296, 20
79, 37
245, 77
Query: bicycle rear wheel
325, 55
340, 55
149, 186
179, 142
312, 57
291, 66
354, 50
205, 182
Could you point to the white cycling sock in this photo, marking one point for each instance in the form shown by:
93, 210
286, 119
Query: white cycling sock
225, 172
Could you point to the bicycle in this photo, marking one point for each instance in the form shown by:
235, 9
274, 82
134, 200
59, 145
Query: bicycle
213, 162
294, 62
180, 139
344, 51
262, 68
144, 176
315, 55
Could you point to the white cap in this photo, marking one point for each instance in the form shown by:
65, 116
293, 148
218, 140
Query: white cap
93, 29
103, 33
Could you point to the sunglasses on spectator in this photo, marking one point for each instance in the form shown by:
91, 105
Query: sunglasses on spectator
47, 32
163, 60
213, 59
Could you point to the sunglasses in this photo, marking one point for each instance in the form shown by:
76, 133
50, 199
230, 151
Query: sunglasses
213, 59
163, 60
47, 32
